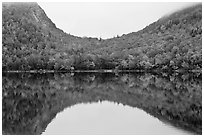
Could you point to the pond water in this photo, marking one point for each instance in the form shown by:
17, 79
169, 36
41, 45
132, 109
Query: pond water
101, 103
108, 118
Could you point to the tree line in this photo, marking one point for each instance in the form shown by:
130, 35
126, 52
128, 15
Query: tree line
169, 44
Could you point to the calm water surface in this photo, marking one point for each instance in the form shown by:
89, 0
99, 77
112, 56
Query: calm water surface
101, 103
108, 118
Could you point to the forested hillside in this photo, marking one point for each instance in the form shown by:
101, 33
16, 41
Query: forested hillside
31, 41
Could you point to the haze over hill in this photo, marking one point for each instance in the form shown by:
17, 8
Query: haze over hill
31, 41
107, 19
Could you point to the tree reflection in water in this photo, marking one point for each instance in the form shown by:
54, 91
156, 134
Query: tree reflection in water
31, 101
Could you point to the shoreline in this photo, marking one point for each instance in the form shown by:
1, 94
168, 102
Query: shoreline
101, 71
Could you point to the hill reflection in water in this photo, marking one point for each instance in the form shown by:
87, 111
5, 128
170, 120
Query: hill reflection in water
31, 101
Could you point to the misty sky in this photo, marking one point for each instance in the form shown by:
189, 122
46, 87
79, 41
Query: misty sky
107, 20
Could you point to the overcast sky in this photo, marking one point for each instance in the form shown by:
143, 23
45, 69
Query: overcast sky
106, 20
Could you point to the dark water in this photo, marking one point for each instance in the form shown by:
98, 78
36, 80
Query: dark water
101, 103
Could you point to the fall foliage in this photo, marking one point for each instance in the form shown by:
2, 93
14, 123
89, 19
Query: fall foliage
31, 41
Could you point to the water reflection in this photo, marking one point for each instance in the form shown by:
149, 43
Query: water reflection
31, 101
108, 118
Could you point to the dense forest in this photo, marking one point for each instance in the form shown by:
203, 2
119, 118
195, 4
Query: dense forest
31, 101
31, 41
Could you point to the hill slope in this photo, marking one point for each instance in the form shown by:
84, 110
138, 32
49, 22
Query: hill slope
31, 41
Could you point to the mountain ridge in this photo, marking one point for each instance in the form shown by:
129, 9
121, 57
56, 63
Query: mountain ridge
31, 41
